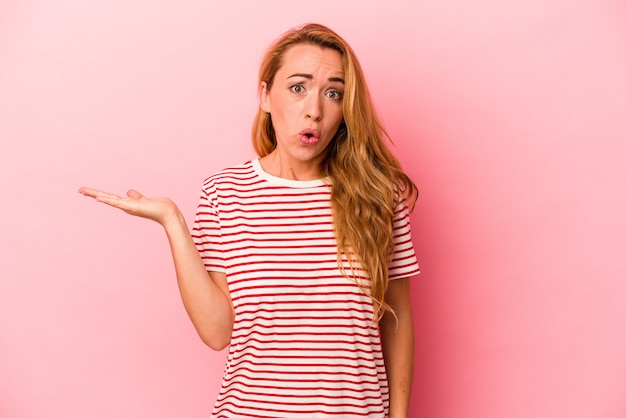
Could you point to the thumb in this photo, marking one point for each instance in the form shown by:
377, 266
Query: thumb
134, 194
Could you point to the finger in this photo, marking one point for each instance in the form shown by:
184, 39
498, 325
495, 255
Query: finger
110, 199
134, 194
87, 191
124, 203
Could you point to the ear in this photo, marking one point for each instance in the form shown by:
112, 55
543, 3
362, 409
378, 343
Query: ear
264, 98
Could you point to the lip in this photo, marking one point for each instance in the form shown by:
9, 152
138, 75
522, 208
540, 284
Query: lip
309, 136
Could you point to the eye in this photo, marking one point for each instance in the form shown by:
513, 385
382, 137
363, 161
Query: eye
334, 95
297, 89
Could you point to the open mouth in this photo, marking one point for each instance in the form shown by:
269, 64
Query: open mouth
309, 136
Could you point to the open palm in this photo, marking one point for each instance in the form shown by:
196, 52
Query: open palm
158, 209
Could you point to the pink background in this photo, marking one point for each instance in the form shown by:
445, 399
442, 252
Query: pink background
510, 116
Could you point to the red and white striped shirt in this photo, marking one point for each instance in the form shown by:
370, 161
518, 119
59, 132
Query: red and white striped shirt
303, 343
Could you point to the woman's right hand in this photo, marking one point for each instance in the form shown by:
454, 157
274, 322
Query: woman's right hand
158, 209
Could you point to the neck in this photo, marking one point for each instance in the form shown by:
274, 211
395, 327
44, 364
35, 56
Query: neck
288, 169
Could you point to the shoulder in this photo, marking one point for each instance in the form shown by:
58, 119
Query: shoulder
233, 172
237, 174
400, 201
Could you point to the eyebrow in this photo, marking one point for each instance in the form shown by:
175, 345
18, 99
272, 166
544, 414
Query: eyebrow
310, 77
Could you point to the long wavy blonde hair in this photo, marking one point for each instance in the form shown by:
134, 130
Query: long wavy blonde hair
367, 180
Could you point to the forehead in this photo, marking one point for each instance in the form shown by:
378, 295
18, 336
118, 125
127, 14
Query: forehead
312, 59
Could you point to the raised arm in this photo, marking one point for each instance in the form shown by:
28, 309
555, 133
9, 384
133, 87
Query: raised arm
205, 295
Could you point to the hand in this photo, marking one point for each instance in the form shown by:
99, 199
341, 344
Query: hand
158, 209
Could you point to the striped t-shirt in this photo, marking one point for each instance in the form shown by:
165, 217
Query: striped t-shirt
303, 342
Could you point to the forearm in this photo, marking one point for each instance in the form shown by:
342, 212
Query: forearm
398, 346
204, 295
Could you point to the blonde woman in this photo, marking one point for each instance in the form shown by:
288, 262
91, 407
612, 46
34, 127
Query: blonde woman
299, 260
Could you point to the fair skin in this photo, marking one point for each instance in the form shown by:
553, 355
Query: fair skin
397, 342
205, 294
305, 103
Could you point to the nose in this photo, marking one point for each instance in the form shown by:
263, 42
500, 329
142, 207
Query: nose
314, 107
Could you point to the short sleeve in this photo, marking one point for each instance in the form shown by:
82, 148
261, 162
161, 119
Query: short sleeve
403, 260
207, 235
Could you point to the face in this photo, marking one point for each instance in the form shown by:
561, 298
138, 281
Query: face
305, 103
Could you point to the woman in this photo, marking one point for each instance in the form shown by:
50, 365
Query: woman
300, 259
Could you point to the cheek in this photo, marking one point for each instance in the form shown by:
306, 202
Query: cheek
285, 119
337, 110
290, 113
338, 117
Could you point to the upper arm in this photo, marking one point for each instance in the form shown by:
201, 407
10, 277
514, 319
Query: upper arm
221, 282
398, 292
398, 296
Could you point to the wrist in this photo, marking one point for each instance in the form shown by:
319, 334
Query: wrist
173, 220
398, 412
